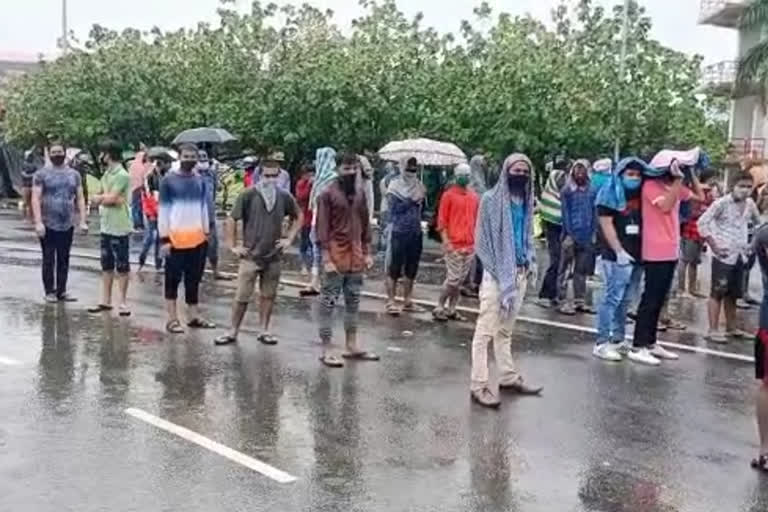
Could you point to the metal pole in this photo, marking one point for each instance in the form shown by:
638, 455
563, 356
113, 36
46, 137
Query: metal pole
622, 70
64, 28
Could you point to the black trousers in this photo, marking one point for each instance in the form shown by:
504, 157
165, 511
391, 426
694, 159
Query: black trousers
658, 282
186, 265
553, 233
56, 246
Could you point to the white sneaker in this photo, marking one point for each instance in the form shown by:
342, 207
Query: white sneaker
643, 356
623, 347
662, 353
607, 353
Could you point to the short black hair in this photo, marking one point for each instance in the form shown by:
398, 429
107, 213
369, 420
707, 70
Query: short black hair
112, 149
347, 158
188, 146
57, 142
743, 176
412, 162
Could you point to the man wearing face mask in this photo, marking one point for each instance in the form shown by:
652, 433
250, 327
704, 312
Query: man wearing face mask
504, 243
261, 210
344, 238
183, 225
660, 197
579, 225
55, 190
405, 196
618, 210
208, 172
456, 223
725, 228
116, 226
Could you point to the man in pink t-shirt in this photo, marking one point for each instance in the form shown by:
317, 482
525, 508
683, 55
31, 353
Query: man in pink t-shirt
660, 207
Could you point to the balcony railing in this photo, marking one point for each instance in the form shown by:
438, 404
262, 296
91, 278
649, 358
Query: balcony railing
742, 150
720, 77
722, 13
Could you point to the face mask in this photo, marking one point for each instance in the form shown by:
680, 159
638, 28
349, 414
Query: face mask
204, 166
462, 181
599, 179
58, 160
348, 184
269, 181
410, 174
631, 183
188, 165
517, 183
741, 193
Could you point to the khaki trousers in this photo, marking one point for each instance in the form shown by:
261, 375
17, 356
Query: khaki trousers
494, 326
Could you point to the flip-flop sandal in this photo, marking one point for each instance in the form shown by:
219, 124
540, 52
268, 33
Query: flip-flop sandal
586, 310
267, 339
199, 323
760, 463
413, 308
332, 362
222, 278
457, 317
226, 339
740, 335
309, 292
124, 312
439, 316
174, 327
360, 356
99, 308
393, 310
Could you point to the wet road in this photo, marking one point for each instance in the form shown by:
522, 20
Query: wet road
395, 436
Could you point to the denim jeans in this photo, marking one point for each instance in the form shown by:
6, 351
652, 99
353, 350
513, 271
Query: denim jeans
306, 246
151, 237
612, 309
764, 304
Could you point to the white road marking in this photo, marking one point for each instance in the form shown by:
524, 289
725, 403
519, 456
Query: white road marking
193, 437
9, 362
527, 319
394, 349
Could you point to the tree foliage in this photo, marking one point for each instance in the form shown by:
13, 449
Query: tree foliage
290, 77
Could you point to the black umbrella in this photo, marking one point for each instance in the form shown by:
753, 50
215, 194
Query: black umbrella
204, 135
159, 152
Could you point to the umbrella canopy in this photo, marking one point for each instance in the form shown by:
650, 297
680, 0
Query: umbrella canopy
426, 151
204, 135
159, 152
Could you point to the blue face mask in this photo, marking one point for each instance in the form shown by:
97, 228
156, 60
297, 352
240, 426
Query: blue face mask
599, 179
631, 183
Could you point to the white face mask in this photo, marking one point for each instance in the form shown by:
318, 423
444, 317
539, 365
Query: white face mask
204, 166
741, 193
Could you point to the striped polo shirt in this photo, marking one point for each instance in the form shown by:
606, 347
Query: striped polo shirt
183, 217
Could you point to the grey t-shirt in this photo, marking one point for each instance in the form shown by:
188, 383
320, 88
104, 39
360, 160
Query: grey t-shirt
262, 229
59, 191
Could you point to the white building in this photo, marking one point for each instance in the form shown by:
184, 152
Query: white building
748, 124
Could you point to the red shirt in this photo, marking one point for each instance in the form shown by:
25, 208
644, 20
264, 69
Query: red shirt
457, 216
303, 191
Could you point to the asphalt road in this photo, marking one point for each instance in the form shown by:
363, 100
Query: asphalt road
400, 435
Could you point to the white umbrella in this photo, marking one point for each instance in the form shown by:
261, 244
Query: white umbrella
426, 151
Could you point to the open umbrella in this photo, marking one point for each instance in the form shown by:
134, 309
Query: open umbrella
204, 135
159, 152
426, 151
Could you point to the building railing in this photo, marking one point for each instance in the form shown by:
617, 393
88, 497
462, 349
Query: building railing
743, 149
720, 75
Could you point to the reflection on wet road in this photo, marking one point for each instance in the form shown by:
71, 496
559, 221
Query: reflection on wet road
399, 435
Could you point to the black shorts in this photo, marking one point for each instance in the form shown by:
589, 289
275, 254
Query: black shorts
727, 280
761, 352
114, 254
405, 255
